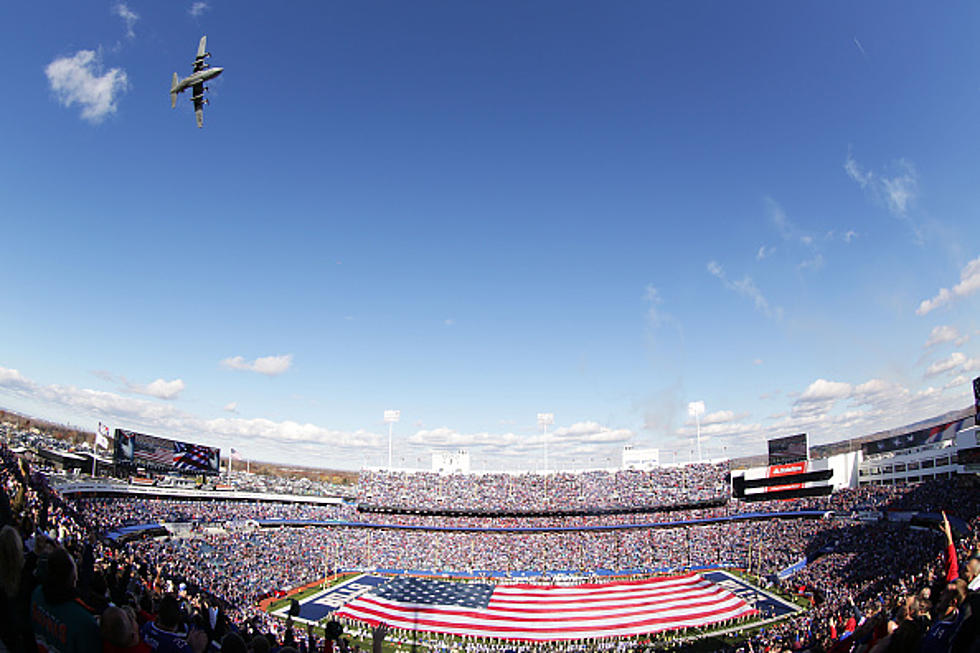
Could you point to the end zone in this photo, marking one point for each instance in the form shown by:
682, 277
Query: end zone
769, 605
319, 606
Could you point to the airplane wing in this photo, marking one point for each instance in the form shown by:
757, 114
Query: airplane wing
198, 91
199, 59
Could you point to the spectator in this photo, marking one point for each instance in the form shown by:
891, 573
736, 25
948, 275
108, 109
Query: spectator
61, 622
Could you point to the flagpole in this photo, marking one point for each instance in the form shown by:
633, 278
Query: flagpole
95, 447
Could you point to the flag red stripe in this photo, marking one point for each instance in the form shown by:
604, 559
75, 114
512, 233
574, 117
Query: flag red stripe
534, 613
684, 607
651, 625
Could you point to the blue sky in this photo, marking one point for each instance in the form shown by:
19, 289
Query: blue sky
477, 212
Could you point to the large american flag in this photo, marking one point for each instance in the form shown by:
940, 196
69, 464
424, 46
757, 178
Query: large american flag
548, 613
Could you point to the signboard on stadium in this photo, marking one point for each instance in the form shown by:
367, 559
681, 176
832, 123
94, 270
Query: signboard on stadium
154, 453
936, 433
790, 449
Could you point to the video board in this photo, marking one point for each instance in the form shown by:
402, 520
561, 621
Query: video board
790, 449
164, 455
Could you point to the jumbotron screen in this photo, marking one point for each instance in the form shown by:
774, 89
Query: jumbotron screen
163, 455
791, 449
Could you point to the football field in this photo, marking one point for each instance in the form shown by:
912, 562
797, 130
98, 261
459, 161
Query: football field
527, 612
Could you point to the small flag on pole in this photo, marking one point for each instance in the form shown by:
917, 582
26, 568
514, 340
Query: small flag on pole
102, 437
235, 455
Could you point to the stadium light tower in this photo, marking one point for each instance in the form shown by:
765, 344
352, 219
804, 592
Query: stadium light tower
391, 416
695, 409
544, 421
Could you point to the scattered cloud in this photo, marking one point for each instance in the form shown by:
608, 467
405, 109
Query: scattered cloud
230, 407
969, 284
897, 191
652, 297
198, 8
268, 365
793, 235
849, 236
289, 431
764, 252
78, 80
942, 334
747, 288
164, 417
820, 396
160, 389
129, 18
956, 361
717, 417
581, 434
814, 263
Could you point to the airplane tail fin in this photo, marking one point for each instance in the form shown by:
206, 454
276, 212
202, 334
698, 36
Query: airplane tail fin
173, 93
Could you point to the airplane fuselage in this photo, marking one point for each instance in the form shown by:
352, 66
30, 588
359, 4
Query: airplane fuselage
199, 77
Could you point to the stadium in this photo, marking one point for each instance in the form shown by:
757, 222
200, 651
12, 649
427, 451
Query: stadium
833, 553
500, 326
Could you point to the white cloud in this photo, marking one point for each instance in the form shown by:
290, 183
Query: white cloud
855, 172
268, 365
822, 390
943, 334
901, 190
969, 284
820, 396
897, 192
717, 417
160, 389
581, 433
850, 235
129, 17
814, 263
764, 252
590, 432
447, 437
230, 407
955, 360
747, 288
957, 382
77, 79
290, 432
11, 378
198, 8
652, 297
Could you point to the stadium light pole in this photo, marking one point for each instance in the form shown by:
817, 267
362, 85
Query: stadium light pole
544, 421
391, 416
695, 410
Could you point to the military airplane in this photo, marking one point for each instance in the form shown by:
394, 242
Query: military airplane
202, 73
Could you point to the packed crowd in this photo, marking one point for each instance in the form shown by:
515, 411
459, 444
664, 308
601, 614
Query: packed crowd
111, 513
534, 492
201, 589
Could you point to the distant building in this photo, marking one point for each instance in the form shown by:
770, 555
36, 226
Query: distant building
641, 459
451, 462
